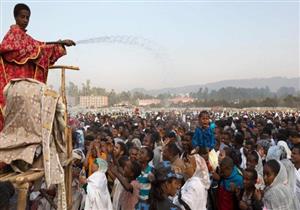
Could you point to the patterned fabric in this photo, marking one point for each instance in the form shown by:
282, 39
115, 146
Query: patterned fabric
23, 57
204, 138
145, 183
32, 117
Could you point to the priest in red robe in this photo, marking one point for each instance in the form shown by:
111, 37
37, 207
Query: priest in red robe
21, 56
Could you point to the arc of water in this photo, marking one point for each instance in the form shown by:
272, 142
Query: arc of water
124, 39
155, 49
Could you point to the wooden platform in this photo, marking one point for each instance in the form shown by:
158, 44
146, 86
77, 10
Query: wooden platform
21, 181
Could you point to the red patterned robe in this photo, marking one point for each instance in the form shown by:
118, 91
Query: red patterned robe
23, 57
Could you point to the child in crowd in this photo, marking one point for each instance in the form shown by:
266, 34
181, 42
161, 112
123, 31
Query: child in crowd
231, 179
204, 135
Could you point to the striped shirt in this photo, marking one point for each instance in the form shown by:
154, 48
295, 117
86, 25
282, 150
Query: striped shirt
145, 185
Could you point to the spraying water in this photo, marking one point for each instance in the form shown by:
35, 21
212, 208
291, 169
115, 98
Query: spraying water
153, 48
136, 41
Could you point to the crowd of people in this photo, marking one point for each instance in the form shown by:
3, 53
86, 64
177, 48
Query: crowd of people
156, 160
207, 160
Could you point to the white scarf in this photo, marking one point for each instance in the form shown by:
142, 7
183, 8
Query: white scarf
98, 197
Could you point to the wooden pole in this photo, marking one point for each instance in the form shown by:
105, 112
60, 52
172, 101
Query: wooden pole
68, 170
64, 67
68, 134
30, 177
63, 89
22, 195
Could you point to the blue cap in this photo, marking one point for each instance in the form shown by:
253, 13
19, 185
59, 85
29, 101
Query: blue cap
164, 171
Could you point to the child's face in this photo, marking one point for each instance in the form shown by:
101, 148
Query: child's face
204, 120
225, 171
269, 175
94, 167
248, 182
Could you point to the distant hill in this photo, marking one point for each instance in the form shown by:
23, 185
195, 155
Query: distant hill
274, 83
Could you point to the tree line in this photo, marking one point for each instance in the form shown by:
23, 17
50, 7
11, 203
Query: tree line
226, 97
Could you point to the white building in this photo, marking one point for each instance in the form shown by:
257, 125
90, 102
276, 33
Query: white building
147, 102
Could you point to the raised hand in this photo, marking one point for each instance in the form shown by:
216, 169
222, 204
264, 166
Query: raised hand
68, 42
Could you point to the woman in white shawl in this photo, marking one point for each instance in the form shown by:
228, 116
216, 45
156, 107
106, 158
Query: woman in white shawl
193, 194
279, 153
277, 195
98, 197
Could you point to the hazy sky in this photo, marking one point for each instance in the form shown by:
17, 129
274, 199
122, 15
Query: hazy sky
181, 42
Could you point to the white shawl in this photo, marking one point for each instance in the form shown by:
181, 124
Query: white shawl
194, 191
98, 197
278, 196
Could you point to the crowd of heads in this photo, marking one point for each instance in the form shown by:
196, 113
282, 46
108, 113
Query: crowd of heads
157, 149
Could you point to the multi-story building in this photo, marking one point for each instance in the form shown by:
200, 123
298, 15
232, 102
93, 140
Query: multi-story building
93, 101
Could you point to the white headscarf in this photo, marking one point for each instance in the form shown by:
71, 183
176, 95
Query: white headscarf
194, 191
286, 148
98, 196
278, 196
279, 153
